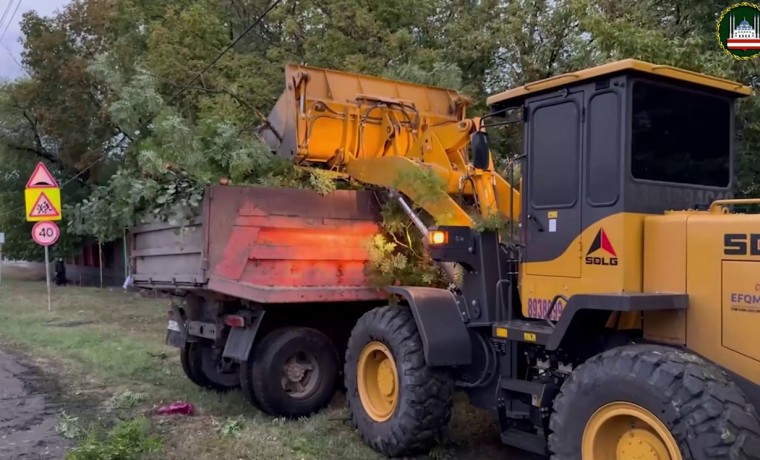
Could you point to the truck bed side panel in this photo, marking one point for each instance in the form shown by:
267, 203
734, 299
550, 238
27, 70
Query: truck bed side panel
273, 245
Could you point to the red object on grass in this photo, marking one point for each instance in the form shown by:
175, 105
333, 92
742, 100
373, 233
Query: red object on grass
180, 408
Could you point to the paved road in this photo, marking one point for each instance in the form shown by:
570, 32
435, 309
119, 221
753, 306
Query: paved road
27, 418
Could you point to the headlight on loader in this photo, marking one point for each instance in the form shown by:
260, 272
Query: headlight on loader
438, 237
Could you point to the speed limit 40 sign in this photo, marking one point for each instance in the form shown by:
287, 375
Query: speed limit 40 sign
45, 233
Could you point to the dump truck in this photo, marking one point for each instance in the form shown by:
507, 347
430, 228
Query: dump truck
615, 318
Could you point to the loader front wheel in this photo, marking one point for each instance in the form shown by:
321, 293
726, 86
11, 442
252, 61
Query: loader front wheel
400, 405
652, 402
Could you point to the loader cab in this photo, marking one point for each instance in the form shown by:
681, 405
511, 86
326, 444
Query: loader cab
604, 147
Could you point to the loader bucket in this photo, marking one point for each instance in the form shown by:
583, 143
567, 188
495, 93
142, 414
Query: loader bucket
331, 116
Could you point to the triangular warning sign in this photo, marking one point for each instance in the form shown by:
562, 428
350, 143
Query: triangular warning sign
41, 178
43, 207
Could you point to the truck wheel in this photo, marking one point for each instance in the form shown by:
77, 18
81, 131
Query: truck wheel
187, 366
201, 367
652, 402
399, 405
292, 372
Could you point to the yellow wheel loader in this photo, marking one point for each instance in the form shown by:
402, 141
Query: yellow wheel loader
618, 321
614, 315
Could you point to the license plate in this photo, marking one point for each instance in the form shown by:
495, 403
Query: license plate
173, 326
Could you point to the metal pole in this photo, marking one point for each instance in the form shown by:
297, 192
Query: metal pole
1, 264
100, 263
126, 257
47, 278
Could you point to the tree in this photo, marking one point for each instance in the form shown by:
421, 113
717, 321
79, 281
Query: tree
108, 101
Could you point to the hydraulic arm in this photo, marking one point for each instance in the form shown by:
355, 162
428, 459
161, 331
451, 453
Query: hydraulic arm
392, 134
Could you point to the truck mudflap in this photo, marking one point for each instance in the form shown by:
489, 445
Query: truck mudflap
242, 335
445, 339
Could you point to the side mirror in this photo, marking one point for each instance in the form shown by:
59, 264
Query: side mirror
480, 153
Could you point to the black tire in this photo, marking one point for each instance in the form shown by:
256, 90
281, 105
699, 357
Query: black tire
188, 368
261, 377
707, 415
425, 397
199, 366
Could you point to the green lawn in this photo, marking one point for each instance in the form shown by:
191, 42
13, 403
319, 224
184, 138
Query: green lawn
105, 350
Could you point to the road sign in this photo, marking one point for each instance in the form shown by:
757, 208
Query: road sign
41, 178
2, 237
45, 233
42, 204
42, 196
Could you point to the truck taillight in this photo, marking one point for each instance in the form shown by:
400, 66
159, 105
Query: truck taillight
234, 321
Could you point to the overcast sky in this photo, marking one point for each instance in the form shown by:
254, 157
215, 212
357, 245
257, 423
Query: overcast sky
10, 48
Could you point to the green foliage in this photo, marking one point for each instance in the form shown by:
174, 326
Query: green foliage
69, 426
424, 186
99, 71
398, 255
124, 401
231, 428
176, 159
442, 74
128, 440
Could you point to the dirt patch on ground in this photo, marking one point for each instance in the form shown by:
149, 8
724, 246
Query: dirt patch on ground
23, 271
27, 415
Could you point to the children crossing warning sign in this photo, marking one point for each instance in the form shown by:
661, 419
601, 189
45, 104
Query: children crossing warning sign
42, 204
43, 207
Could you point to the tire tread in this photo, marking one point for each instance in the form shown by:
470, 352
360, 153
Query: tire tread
254, 376
714, 418
428, 391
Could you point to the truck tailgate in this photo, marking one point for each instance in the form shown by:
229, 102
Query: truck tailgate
168, 256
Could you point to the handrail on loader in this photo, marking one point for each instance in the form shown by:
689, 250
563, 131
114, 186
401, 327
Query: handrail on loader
385, 132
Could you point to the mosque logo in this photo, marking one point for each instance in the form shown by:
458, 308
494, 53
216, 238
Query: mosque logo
738, 30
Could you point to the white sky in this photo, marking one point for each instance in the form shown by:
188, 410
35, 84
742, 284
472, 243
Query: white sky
10, 48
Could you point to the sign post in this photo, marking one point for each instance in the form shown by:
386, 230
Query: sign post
2, 242
42, 197
45, 234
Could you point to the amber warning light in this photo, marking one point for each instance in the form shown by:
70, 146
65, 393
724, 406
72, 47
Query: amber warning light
438, 237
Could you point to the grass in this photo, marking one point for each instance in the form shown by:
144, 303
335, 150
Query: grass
105, 350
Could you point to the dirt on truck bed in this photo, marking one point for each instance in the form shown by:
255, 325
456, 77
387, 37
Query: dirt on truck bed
27, 416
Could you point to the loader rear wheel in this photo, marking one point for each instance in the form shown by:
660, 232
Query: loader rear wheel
399, 405
292, 372
203, 369
652, 402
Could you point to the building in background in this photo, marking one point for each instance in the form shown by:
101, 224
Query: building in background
84, 269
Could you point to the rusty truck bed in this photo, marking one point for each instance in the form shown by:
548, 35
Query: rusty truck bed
267, 245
